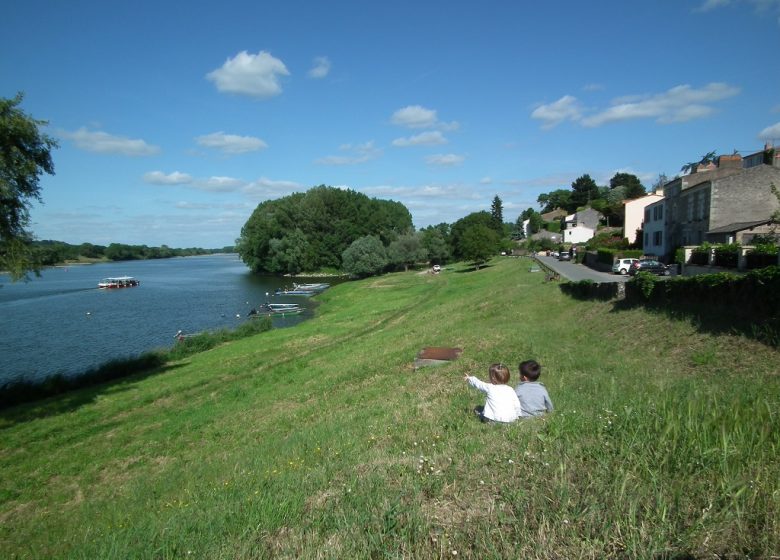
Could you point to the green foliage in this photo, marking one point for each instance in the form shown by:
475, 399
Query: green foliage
584, 190
365, 256
407, 250
435, 241
679, 255
706, 159
560, 198
727, 255
644, 282
607, 240
497, 213
553, 227
479, 243
633, 187
460, 227
312, 230
25, 154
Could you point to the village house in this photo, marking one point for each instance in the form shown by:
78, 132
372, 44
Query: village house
635, 213
581, 226
725, 198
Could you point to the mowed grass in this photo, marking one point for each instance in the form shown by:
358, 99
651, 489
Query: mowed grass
321, 441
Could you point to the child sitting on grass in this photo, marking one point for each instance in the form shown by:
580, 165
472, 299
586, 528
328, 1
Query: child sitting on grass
533, 396
502, 404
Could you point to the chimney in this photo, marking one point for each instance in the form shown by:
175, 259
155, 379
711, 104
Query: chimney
730, 162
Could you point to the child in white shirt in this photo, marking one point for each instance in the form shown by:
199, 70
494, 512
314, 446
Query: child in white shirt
502, 404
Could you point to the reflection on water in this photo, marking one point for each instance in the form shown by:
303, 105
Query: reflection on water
61, 322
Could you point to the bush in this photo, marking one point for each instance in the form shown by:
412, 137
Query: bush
727, 256
763, 255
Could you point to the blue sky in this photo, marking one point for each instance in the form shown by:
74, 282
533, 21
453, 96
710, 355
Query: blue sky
176, 119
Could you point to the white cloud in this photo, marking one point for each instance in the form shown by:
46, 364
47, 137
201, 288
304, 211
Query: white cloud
593, 87
770, 132
264, 188
429, 138
104, 143
486, 181
445, 160
553, 114
711, 5
321, 67
679, 104
256, 75
160, 178
415, 116
760, 6
230, 143
219, 184
360, 153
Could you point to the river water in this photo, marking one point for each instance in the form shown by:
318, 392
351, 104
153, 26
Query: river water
62, 323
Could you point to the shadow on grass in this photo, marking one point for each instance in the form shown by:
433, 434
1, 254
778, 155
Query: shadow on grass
70, 392
71, 399
714, 319
715, 316
474, 268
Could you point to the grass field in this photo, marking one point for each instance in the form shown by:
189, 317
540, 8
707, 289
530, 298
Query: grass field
321, 441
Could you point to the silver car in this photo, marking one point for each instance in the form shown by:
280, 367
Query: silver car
622, 266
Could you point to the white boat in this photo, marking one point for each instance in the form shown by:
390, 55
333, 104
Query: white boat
118, 282
317, 287
266, 309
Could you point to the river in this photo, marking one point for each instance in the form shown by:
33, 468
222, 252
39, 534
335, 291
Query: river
62, 323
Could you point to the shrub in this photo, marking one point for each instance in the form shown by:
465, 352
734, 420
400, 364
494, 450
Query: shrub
727, 256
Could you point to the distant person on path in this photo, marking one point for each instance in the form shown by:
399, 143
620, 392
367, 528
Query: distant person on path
502, 404
532, 394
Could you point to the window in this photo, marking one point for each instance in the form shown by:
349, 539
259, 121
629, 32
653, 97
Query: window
658, 238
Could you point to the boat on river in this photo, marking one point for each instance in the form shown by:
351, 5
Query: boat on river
316, 287
267, 309
118, 282
295, 292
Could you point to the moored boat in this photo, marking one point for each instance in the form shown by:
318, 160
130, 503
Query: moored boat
316, 287
294, 292
267, 309
118, 282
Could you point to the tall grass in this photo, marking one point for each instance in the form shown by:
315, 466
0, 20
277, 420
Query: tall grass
322, 441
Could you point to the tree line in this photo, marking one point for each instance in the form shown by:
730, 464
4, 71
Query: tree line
341, 229
47, 253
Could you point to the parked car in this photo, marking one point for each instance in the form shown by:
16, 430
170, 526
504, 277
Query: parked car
621, 266
654, 267
564, 256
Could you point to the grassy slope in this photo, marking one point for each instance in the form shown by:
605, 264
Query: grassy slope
321, 441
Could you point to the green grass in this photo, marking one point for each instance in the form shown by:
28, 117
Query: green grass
321, 441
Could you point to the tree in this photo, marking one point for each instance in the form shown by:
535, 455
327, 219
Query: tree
497, 213
406, 250
435, 240
559, 198
478, 244
365, 256
584, 190
25, 154
460, 227
632, 186
706, 159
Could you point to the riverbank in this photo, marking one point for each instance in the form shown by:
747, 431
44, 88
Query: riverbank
322, 441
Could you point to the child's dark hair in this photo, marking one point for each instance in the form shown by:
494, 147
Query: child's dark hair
530, 369
499, 374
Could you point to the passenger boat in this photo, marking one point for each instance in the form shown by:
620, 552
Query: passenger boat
118, 282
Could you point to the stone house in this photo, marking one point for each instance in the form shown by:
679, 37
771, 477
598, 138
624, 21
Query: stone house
581, 226
722, 197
